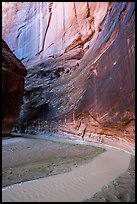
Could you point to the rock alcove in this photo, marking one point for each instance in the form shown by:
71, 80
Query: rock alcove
80, 62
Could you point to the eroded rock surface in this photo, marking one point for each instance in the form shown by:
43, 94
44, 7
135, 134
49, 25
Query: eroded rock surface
13, 73
81, 63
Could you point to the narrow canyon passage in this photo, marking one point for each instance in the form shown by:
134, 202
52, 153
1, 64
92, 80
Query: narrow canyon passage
68, 74
80, 63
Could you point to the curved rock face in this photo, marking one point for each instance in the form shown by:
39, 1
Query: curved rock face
81, 62
13, 73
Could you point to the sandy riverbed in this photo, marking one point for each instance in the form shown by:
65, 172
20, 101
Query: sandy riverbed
76, 172
122, 189
25, 159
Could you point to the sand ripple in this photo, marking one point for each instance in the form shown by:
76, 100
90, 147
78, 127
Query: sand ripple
75, 186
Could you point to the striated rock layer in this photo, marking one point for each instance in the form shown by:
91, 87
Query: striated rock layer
13, 73
81, 63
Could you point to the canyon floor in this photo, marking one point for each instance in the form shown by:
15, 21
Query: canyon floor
60, 171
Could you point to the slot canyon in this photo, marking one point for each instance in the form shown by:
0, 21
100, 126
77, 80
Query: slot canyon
68, 101
80, 63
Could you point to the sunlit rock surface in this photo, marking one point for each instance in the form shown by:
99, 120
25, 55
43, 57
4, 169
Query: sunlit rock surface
81, 67
13, 73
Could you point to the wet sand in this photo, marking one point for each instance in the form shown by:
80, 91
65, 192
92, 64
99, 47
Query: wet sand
25, 159
87, 169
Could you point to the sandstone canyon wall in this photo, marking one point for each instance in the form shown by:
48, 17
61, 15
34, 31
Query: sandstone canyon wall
13, 73
81, 67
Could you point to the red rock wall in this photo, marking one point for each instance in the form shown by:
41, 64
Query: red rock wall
31, 25
13, 73
81, 66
